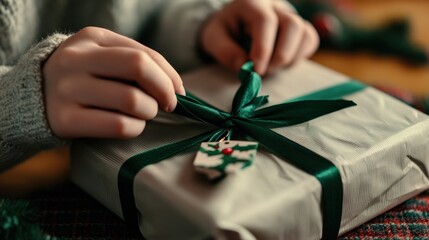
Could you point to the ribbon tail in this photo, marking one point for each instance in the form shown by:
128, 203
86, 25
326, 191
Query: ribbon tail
287, 114
331, 93
326, 172
133, 165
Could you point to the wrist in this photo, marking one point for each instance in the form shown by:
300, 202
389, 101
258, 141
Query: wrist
24, 122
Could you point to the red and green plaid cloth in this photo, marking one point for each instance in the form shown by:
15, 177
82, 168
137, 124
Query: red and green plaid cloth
72, 214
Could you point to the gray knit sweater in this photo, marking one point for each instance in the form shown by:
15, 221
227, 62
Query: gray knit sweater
27, 39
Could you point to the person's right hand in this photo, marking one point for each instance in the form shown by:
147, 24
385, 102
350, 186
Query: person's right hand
278, 36
102, 84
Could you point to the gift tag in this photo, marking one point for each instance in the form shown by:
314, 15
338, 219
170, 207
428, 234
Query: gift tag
217, 159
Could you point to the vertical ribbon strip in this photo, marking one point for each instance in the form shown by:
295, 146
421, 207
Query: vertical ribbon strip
247, 118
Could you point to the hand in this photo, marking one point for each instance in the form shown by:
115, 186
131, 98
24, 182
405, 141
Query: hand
279, 37
101, 84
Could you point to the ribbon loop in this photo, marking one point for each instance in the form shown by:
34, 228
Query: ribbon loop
248, 90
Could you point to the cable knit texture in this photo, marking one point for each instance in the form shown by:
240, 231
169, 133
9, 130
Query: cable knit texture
24, 129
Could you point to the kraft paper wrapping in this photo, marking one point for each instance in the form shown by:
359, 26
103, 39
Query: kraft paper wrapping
380, 148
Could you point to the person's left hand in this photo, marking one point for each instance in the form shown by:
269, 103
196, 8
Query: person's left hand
279, 37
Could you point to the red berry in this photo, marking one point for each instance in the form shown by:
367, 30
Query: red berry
227, 151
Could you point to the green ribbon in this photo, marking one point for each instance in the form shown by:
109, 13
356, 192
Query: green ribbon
248, 119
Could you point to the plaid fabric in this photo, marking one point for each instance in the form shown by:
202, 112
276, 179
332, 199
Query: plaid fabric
70, 213
410, 220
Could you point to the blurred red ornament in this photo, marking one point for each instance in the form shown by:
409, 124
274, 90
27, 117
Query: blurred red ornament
327, 25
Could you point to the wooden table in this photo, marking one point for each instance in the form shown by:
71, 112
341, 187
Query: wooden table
390, 71
45, 170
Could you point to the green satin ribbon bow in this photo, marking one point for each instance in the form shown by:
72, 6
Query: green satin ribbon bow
248, 119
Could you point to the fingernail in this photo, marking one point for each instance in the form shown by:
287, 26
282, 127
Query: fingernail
182, 90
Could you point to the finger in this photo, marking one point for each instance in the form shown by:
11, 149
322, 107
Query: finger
133, 65
220, 45
169, 70
263, 31
107, 38
89, 122
291, 33
309, 43
109, 95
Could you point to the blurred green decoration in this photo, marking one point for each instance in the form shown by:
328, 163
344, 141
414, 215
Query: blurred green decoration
17, 221
330, 18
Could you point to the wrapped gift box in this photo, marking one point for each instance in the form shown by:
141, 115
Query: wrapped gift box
380, 148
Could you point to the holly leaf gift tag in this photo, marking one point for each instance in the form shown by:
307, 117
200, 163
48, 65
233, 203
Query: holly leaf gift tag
218, 159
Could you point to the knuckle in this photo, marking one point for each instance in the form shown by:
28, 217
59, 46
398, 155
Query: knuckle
312, 39
67, 57
155, 55
120, 127
294, 22
267, 17
151, 110
283, 59
85, 31
138, 62
123, 128
312, 33
63, 87
92, 32
131, 100
167, 98
137, 104
138, 129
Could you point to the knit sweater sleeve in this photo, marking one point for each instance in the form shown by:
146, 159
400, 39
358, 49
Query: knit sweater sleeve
24, 129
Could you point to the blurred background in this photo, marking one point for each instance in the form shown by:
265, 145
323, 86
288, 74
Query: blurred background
382, 43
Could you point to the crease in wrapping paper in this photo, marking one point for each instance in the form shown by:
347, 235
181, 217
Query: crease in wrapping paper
389, 195
95, 163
